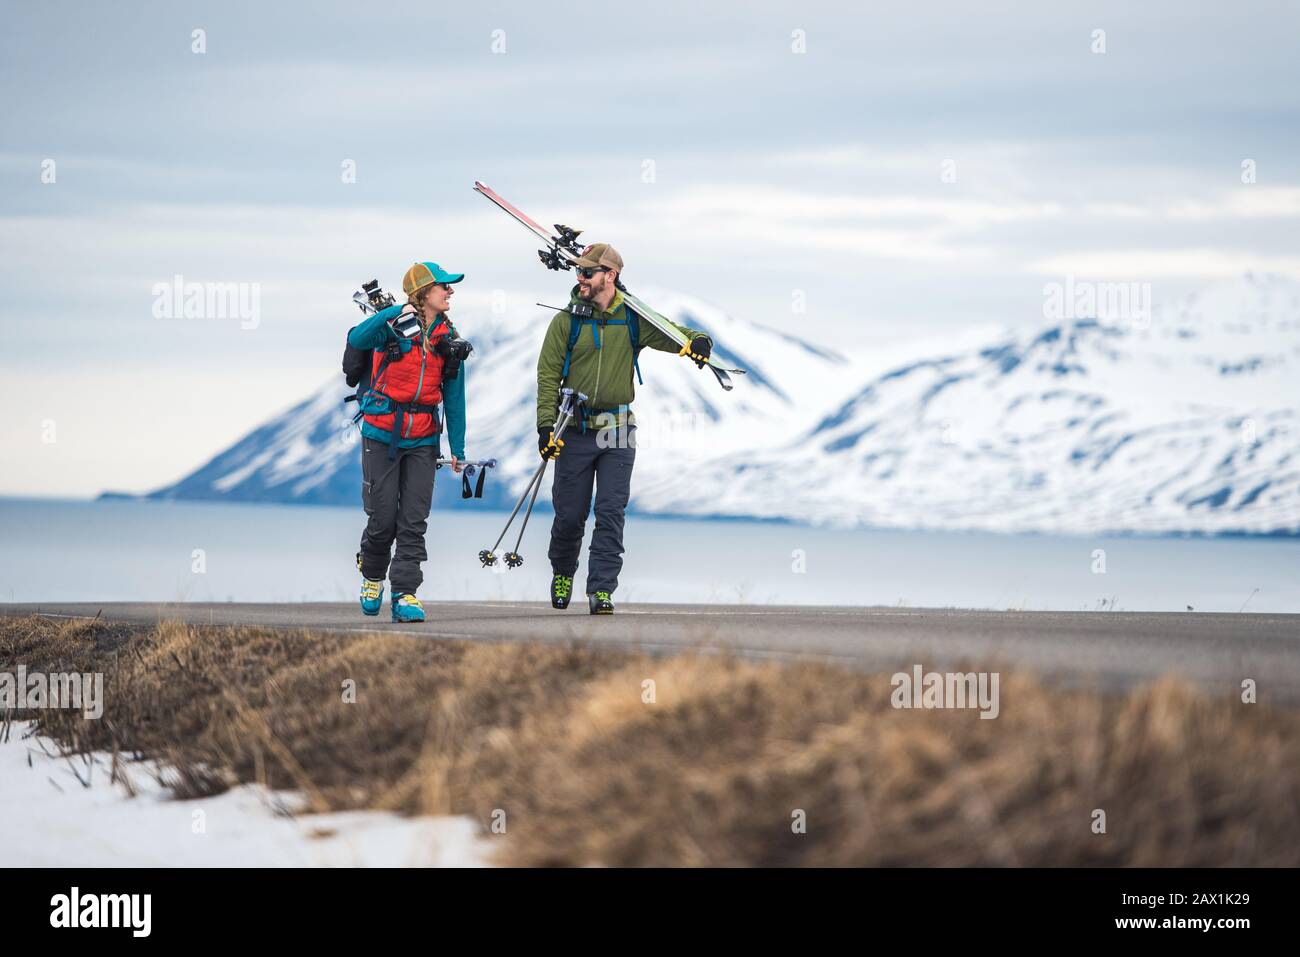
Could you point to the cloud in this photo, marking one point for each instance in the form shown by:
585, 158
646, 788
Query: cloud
1246, 202
1162, 263
785, 206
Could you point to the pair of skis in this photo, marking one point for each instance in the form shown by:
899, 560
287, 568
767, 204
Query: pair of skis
563, 251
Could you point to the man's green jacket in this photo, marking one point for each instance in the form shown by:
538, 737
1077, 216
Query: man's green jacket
604, 374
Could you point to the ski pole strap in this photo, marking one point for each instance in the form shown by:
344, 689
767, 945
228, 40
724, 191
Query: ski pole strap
465, 475
467, 472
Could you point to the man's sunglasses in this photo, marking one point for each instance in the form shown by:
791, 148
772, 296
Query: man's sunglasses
586, 272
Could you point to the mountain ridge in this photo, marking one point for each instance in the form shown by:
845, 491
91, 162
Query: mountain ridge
1185, 423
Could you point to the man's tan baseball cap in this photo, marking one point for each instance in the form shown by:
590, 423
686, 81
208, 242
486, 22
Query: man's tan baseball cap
601, 254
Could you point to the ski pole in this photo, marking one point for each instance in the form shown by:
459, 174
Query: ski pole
481, 463
488, 555
514, 559
570, 400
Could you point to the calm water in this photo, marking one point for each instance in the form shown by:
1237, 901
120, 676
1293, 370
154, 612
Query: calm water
59, 550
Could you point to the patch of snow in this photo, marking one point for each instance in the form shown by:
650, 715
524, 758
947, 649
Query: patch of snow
50, 818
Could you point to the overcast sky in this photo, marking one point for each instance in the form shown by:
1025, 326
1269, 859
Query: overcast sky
776, 174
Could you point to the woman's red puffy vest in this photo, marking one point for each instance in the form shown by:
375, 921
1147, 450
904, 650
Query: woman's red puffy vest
415, 378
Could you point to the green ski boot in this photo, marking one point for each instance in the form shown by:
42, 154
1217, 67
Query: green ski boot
561, 590
600, 604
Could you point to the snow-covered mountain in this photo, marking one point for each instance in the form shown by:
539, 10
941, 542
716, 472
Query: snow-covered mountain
310, 454
1188, 422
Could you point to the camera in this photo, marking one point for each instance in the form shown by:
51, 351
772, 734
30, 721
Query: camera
454, 351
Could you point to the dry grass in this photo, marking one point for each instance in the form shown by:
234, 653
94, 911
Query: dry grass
710, 773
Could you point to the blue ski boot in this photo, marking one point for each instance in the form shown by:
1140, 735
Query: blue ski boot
407, 608
372, 596
372, 592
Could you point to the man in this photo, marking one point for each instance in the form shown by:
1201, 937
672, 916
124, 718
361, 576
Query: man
599, 445
400, 431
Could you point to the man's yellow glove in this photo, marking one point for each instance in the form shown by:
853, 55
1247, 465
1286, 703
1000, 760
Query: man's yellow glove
546, 444
698, 350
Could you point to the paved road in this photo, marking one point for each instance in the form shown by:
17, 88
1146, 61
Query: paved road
1111, 650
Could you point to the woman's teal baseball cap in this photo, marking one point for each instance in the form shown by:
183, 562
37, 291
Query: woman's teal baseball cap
426, 274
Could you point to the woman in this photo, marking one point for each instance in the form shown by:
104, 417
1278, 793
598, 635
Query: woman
400, 432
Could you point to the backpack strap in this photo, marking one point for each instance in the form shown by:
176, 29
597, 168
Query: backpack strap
633, 323
575, 330
364, 386
400, 411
